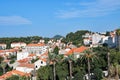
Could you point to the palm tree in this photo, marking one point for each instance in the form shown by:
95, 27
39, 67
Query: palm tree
108, 60
55, 58
70, 59
52, 58
114, 70
118, 34
88, 56
3, 65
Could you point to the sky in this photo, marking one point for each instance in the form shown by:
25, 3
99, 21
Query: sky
46, 18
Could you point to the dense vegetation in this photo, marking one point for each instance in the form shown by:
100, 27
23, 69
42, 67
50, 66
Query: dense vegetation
98, 59
16, 77
76, 38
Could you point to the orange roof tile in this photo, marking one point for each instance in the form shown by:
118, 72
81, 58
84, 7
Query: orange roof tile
10, 50
45, 54
26, 60
1, 51
13, 72
20, 73
44, 59
26, 65
42, 44
6, 61
31, 55
78, 50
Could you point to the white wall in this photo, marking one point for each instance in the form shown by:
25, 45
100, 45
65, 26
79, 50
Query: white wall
22, 55
24, 69
36, 49
18, 45
96, 38
39, 63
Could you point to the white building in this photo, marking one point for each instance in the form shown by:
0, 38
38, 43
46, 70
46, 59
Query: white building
92, 39
111, 40
96, 38
41, 41
87, 41
22, 55
25, 67
18, 44
3, 46
10, 52
40, 62
108, 40
36, 48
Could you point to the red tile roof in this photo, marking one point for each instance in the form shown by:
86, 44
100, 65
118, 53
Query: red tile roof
13, 72
1, 51
76, 50
44, 59
31, 55
26, 65
26, 60
42, 44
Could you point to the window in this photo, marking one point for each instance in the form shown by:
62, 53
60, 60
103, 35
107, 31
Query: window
41, 62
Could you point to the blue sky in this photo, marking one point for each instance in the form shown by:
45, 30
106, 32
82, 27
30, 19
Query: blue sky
47, 18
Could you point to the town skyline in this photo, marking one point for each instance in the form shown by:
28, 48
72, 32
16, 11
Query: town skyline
49, 18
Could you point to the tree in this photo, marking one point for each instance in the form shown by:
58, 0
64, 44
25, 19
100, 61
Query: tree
3, 65
118, 34
114, 71
16, 77
43, 73
55, 58
56, 50
98, 73
76, 38
89, 56
1, 59
62, 70
70, 58
13, 77
115, 60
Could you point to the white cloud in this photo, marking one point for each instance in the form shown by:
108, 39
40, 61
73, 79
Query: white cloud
13, 20
90, 9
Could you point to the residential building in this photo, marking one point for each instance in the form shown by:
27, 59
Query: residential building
22, 55
36, 48
3, 46
25, 67
18, 44
13, 72
96, 39
41, 62
76, 51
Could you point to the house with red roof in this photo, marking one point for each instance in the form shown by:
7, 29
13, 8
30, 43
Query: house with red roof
13, 72
41, 62
25, 67
76, 51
